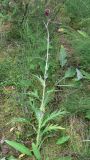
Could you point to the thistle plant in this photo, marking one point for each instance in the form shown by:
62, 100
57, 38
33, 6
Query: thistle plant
44, 125
42, 107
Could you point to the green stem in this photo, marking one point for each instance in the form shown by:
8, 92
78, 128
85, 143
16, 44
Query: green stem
42, 107
38, 135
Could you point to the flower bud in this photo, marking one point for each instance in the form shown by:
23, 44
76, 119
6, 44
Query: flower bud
47, 12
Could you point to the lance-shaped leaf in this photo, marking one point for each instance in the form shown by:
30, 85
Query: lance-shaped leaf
52, 127
52, 116
36, 151
20, 147
63, 56
20, 120
84, 34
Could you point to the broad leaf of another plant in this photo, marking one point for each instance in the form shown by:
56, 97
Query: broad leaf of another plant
70, 73
79, 74
62, 140
63, 56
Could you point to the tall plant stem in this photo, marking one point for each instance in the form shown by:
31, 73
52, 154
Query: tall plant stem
42, 107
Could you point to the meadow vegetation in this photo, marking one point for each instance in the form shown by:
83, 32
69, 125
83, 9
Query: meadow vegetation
44, 80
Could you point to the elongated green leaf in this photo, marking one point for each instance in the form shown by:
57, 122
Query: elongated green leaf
36, 151
21, 120
52, 127
20, 147
62, 140
70, 73
52, 116
74, 84
63, 56
84, 34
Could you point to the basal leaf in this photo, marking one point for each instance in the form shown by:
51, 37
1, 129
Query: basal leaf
36, 151
20, 147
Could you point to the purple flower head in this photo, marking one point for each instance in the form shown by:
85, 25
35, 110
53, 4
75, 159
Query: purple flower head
47, 12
